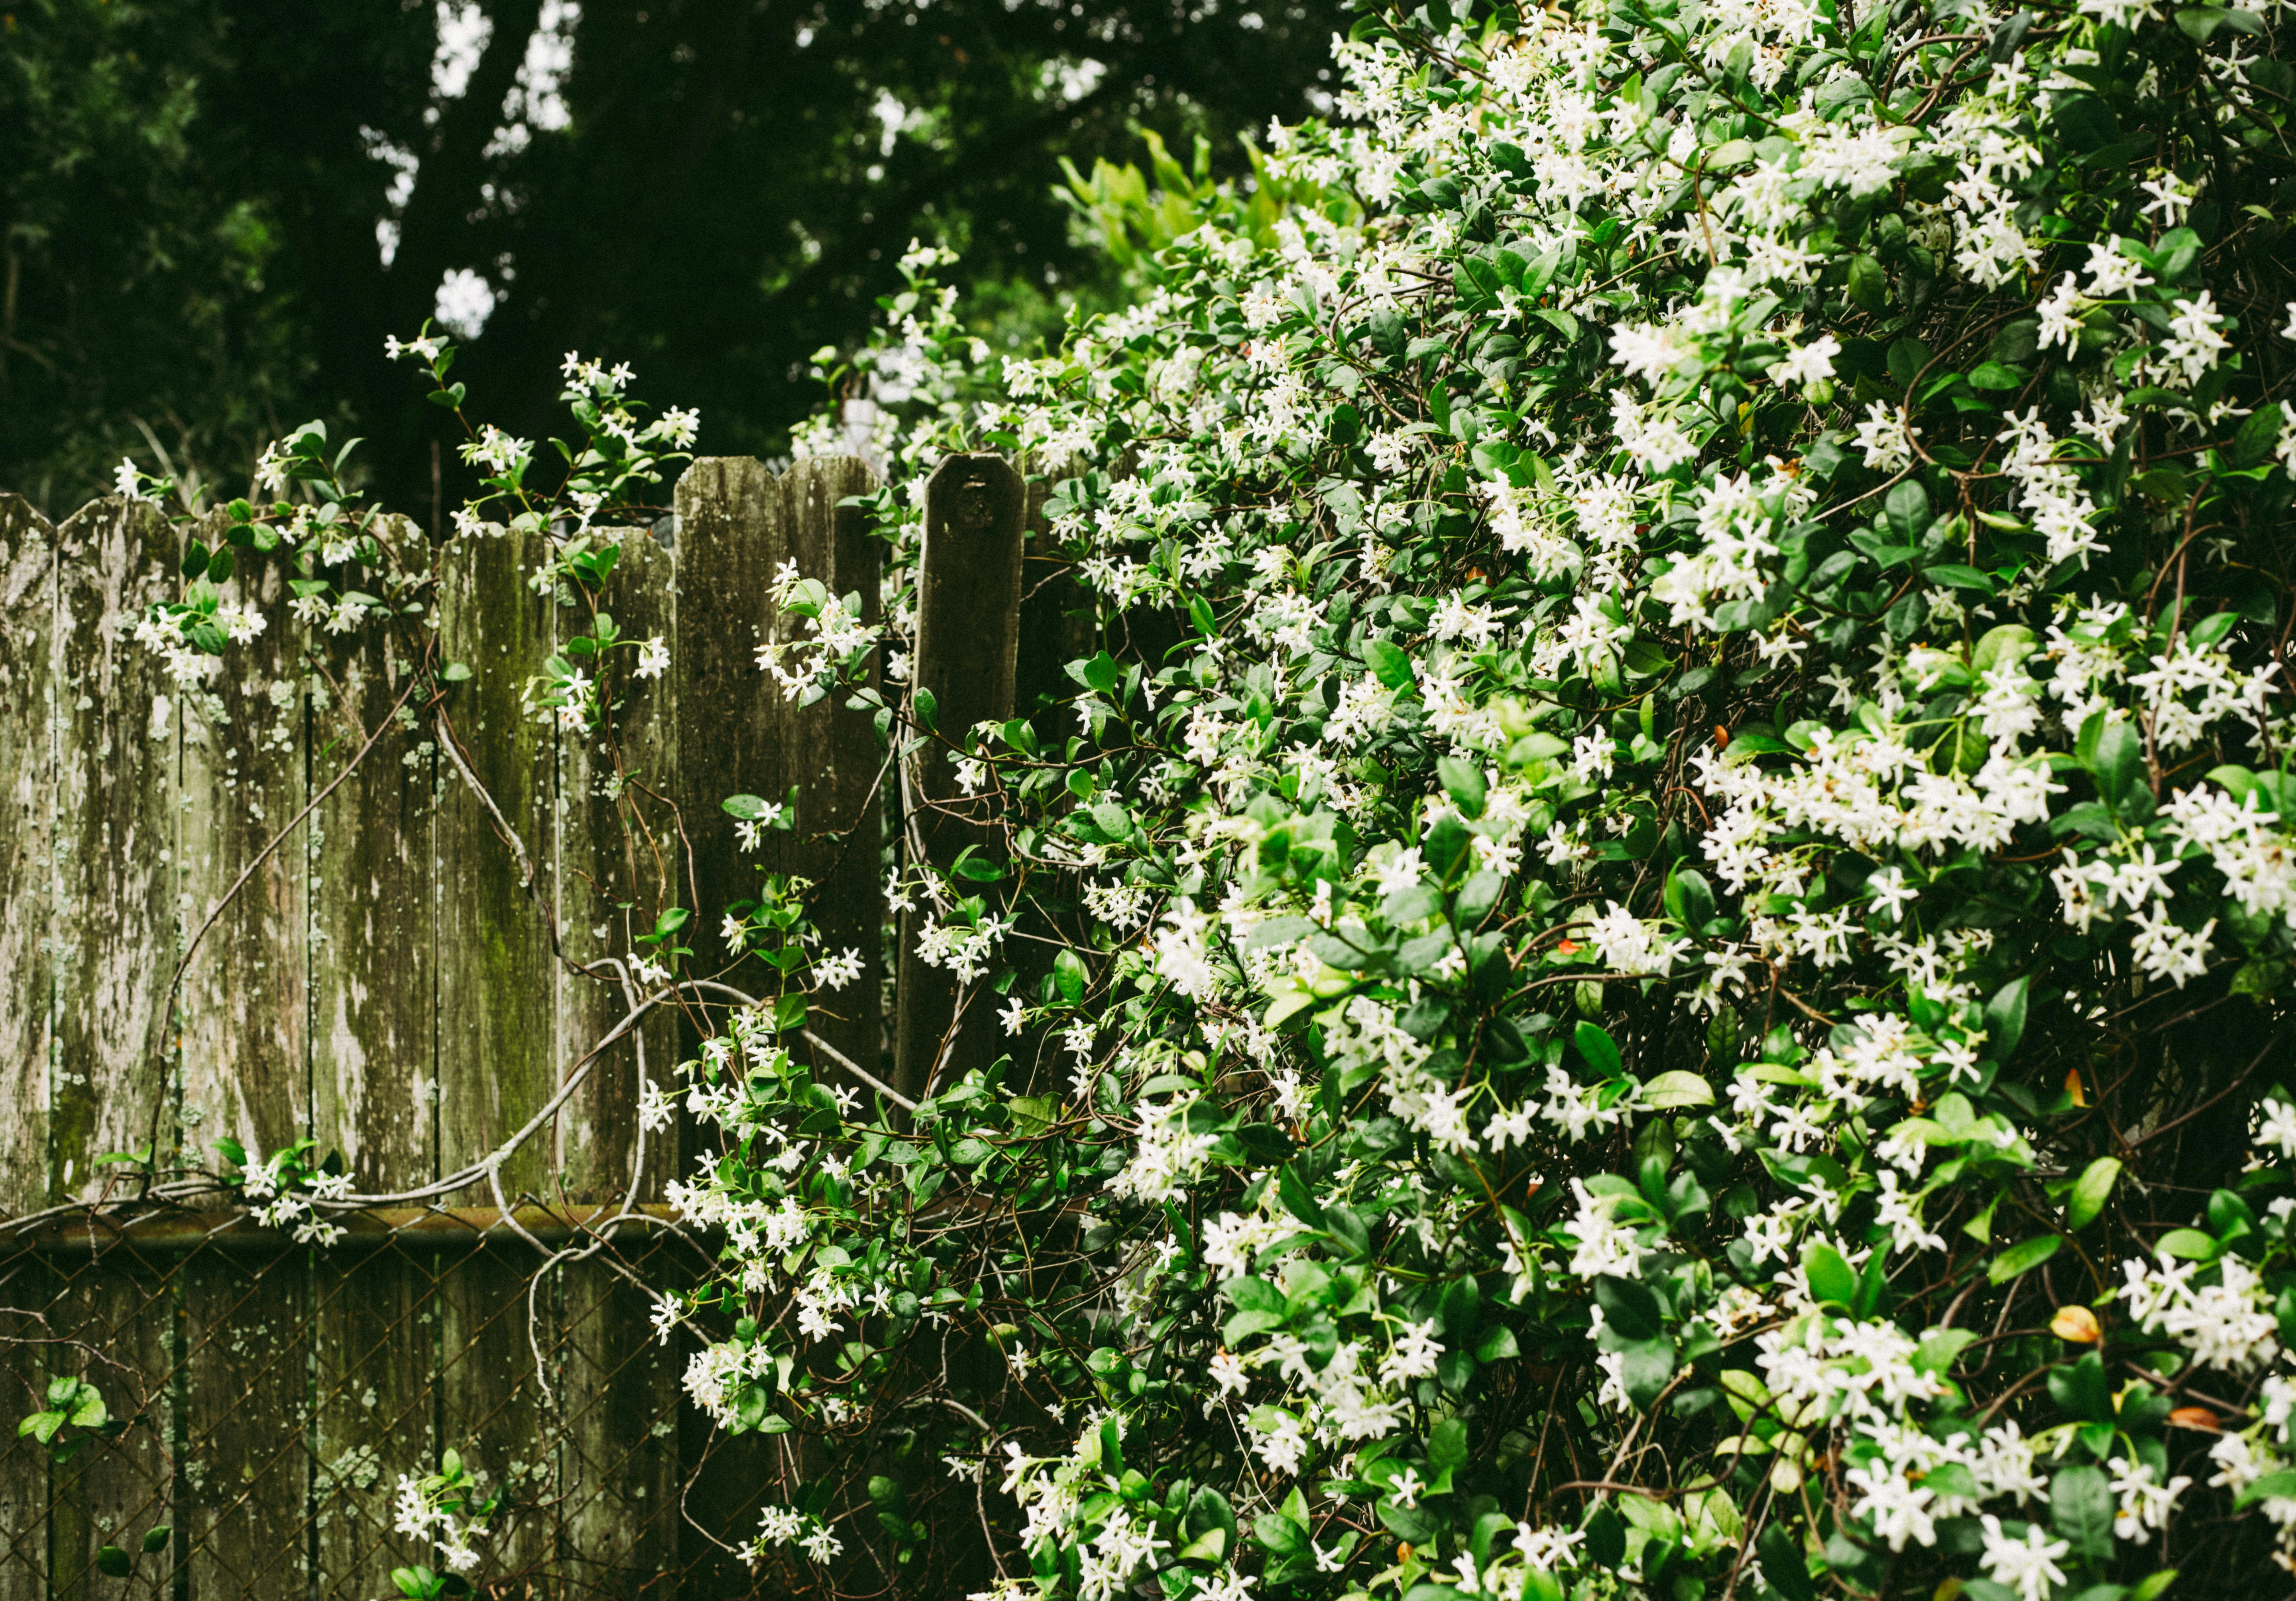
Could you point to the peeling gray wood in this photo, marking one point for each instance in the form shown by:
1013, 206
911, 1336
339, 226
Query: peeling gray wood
116, 854
245, 998
830, 751
374, 1010
28, 784
620, 862
497, 1051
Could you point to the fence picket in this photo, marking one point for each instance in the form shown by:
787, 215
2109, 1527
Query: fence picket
618, 856
373, 999
114, 928
730, 516
245, 998
497, 1044
968, 616
28, 779
245, 1073
830, 751
616, 848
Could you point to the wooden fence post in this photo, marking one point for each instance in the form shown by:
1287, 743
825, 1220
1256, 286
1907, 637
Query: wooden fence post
119, 865
832, 755
736, 525
497, 1043
617, 857
968, 618
375, 995
28, 821
739, 735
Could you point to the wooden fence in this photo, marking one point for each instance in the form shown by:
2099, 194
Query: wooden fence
380, 977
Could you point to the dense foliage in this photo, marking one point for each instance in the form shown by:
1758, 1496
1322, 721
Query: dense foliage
1678, 982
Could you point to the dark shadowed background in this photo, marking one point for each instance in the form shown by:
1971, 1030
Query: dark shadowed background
212, 214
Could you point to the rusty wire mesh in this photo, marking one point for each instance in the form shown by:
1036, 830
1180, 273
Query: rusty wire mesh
264, 1399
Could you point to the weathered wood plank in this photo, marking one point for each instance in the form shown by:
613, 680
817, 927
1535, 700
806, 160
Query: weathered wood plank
1058, 626
245, 1000
115, 1487
495, 1356
497, 1047
113, 933
730, 514
620, 1471
245, 1072
375, 1337
498, 1053
374, 958
830, 752
247, 1465
968, 614
620, 864
374, 1006
28, 794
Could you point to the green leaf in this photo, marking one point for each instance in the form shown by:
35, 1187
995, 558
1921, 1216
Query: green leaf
2153, 1586
1831, 1278
2081, 1507
748, 807
2011, 642
1784, 1564
2091, 1190
1600, 1050
1278, 1534
928, 707
1069, 976
1387, 662
1908, 509
1997, 376
1869, 285
155, 1537
1645, 1367
1689, 898
1672, 1090
2281, 1485
2005, 1018
1464, 782
455, 672
1629, 1307
2116, 759
1447, 1445
2086, 121
2023, 1258
113, 1563
1941, 1348
1299, 1197
2188, 1244
2082, 1391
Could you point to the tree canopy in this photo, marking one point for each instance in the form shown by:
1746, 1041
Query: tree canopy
214, 215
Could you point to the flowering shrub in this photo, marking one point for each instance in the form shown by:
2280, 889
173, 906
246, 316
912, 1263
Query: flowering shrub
1677, 982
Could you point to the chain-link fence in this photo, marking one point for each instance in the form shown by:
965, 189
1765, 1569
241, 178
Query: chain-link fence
262, 1399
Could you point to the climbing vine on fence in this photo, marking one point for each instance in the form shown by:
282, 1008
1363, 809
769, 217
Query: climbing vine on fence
1673, 974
